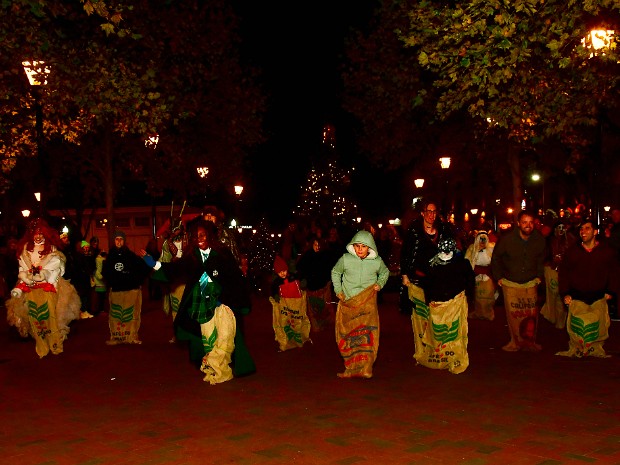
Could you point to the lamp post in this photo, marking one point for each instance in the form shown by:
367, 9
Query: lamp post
37, 71
238, 191
445, 162
536, 177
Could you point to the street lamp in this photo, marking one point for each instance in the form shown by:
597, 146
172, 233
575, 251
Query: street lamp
419, 183
37, 72
25, 213
238, 190
444, 162
536, 177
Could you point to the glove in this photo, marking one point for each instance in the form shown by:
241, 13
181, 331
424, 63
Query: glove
16, 293
150, 261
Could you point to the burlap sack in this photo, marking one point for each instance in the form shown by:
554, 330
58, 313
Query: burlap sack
124, 317
484, 300
357, 333
173, 299
445, 337
218, 338
520, 301
320, 308
588, 328
553, 309
419, 318
290, 322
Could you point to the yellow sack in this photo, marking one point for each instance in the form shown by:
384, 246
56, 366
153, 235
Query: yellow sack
218, 338
290, 322
484, 301
553, 309
43, 322
445, 337
588, 328
124, 317
357, 333
521, 303
419, 318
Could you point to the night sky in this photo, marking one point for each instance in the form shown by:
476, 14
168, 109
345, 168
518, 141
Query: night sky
299, 47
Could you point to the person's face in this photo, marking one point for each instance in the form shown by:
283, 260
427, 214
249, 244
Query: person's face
119, 242
483, 242
315, 246
430, 213
38, 237
65, 240
94, 243
202, 239
86, 249
526, 225
587, 232
283, 274
361, 250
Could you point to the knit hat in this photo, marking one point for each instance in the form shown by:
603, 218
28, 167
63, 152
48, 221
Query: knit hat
84, 244
120, 234
279, 265
447, 245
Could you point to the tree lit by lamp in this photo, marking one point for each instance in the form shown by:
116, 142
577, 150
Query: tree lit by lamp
598, 39
152, 141
202, 171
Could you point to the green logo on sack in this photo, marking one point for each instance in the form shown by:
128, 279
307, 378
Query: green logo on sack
587, 332
292, 334
444, 333
125, 315
174, 303
38, 313
209, 342
421, 309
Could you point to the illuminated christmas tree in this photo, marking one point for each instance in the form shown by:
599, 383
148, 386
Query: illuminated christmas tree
261, 255
326, 193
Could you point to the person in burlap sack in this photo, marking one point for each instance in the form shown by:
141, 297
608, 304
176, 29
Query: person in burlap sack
588, 278
517, 266
448, 285
42, 304
124, 272
357, 278
291, 324
215, 300
553, 309
314, 273
172, 250
479, 255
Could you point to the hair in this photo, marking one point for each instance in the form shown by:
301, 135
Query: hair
51, 237
523, 213
592, 221
428, 202
208, 226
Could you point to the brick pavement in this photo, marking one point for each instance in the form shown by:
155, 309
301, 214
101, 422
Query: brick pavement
128, 405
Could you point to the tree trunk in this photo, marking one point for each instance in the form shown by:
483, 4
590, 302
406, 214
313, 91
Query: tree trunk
515, 172
109, 186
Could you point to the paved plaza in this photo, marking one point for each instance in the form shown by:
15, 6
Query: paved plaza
145, 404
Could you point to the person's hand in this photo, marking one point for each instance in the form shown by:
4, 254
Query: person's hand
142, 252
499, 282
406, 281
38, 278
340, 296
376, 287
567, 299
608, 297
150, 261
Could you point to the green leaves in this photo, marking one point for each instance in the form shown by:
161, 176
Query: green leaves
39, 313
124, 315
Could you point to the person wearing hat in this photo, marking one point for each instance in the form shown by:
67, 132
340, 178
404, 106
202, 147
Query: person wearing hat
82, 273
124, 273
281, 277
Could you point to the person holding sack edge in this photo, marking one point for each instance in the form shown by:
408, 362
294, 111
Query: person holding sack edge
357, 277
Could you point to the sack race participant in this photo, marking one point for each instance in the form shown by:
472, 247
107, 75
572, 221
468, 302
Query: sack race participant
212, 308
479, 255
448, 283
314, 273
522, 311
553, 309
588, 329
42, 304
290, 321
589, 278
124, 272
357, 278
172, 250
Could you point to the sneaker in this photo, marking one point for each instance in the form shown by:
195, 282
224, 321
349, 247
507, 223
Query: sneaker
85, 315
